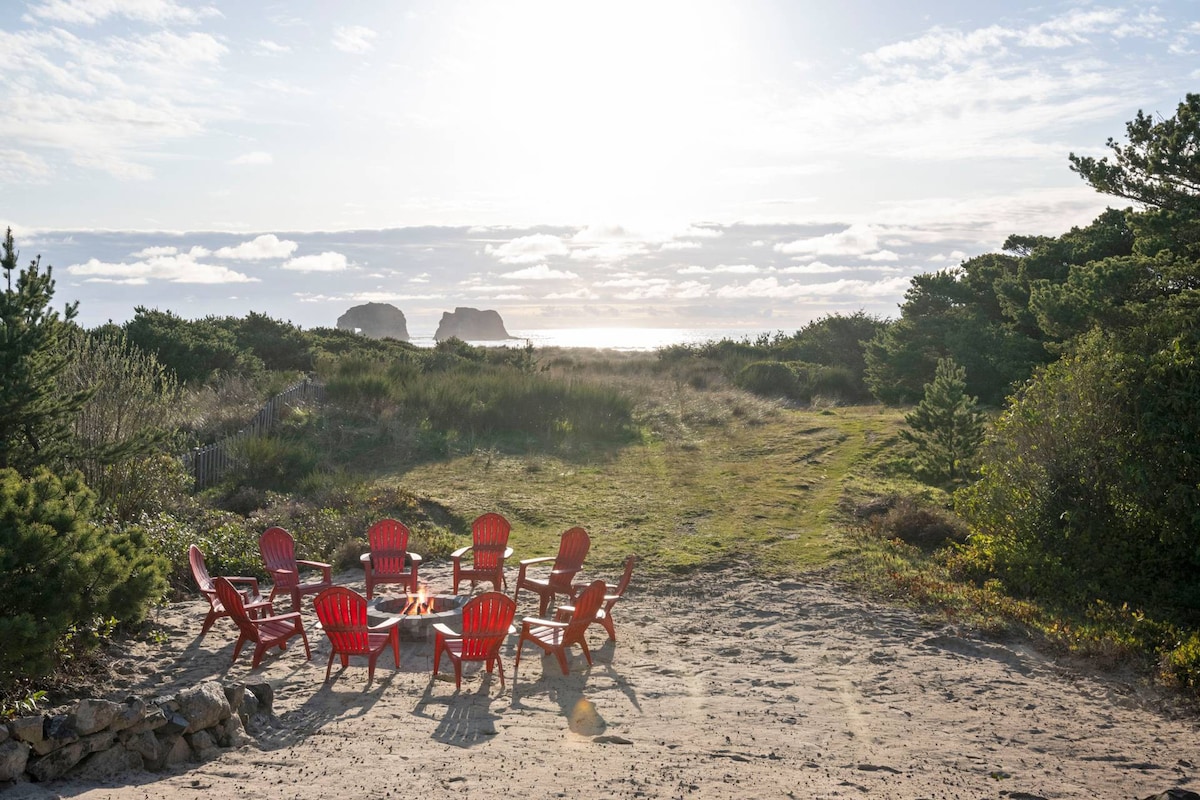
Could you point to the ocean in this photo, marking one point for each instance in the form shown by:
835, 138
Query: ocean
624, 339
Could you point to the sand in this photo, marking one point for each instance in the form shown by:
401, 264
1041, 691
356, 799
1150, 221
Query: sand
718, 686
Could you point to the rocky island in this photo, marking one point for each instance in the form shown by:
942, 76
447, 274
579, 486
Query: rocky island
375, 320
471, 324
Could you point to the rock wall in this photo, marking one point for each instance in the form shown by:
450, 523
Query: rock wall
93, 739
376, 320
471, 324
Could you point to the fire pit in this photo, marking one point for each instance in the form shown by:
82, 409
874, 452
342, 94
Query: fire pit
417, 613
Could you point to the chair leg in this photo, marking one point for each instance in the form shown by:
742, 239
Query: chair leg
607, 622
329, 666
586, 653
561, 654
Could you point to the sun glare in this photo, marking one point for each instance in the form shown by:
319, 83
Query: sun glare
598, 110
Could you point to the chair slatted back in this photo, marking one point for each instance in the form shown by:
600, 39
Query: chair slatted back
200, 570
586, 606
278, 551
489, 539
486, 622
572, 550
389, 543
343, 616
231, 599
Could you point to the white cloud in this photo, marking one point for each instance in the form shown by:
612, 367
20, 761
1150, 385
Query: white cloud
583, 293
90, 12
322, 262
541, 272
354, 39
680, 246
18, 166
813, 268
268, 245
609, 252
272, 48
150, 252
728, 269
256, 157
856, 240
528, 249
171, 267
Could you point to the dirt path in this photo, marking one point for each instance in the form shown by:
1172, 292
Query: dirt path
747, 690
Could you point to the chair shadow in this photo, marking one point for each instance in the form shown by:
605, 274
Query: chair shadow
327, 704
468, 718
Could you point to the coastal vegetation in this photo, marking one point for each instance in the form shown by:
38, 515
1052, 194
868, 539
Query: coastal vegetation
1046, 482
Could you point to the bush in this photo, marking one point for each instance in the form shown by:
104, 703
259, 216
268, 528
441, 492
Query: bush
904, 519
769, 379
63, 575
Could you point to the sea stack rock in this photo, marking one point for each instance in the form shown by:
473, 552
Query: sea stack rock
376, 320
471, 324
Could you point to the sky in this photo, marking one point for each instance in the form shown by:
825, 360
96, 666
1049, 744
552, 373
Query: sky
744, 164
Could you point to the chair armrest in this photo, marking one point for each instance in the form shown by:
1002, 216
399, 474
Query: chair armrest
325, 568
281, 617
416, 559
444, 630
383, 626
550, 623
365, 558
457, 554
525, 562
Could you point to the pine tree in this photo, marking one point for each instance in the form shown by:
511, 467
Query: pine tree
946, 426
34, 415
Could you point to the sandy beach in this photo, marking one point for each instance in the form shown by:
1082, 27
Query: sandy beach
718, 686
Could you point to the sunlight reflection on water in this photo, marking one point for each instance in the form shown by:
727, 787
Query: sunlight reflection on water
627, 339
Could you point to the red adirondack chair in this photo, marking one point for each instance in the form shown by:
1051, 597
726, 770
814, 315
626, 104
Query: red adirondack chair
343, 615
389, 560
254, 603
265, 632
486, 623
612, 593
488, 549
567, 628
572, 550
278, 551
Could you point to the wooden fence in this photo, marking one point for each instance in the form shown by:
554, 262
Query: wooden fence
208, 464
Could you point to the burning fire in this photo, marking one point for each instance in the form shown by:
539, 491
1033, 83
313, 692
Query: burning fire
419, 603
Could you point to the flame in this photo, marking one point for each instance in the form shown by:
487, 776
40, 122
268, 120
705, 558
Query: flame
420, 603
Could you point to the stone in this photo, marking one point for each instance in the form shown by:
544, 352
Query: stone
471, 324
94, 715
144, 744
376, 321
203, 745
97, 742
28, 729
235, 694
4, 734
248, 708
172, 749
58, 731
55, 765
204, 706
175, 723
1175, 794
129, 713
230, 733
14, 756
266, 696
107, 763
155, 718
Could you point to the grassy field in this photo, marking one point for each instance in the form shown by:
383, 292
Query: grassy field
764, 492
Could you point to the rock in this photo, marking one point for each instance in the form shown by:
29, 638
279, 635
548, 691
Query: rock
4, 734
175, 723
145, 744
54, 765
266, 696
58, 731
1174, 794
154, 718
235, 694
13, 758
471, 324
94, 715
129, 713
230, 733
203, 745
97, 742
107, 763
248, 708
375, 320
172, 749
204, 706
28, 729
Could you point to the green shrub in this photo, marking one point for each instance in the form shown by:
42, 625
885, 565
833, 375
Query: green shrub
63, 575
769, 379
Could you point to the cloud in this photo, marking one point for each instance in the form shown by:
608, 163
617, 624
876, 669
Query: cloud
856, 240
354, 39
528, 249
170, 267
90, 12
18, 166
813, 268
728, 269
582, 293
610, 252
268, 245
540, 273
266, 46
256, 157
680, 246
323, 262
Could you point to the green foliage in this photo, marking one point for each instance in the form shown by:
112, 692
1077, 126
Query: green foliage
127, 425
1159, 166
34, 416
280, 346
195, 350
61, 574
946, 427
769, 379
